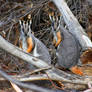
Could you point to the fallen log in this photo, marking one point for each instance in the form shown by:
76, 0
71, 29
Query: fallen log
54, 74
76, 29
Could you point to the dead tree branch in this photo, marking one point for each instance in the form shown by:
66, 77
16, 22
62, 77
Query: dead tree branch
54, 74
31, 86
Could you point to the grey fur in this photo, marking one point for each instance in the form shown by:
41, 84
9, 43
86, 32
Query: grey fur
68, 52
42, 50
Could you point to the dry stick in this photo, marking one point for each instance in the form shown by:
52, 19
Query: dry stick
32, 78
16, 88
31, 86
74, 26
53, 83
34, 71
54, 74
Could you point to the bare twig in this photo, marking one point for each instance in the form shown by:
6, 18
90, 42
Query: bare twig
31, 86
16, 88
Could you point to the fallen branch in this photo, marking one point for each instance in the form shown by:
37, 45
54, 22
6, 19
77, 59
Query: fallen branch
57, 75
54, 74
16, 88
31, 86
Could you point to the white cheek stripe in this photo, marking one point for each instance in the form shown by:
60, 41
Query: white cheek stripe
35, 53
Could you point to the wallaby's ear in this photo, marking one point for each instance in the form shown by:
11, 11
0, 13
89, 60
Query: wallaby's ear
51, 16
20, 22
51, 5
29, 19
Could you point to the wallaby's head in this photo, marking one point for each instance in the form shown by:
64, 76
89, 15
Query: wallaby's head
25, 25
